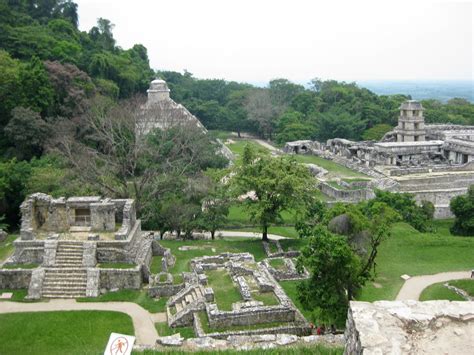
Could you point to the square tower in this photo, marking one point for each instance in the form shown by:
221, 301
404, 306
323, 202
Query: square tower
411, 123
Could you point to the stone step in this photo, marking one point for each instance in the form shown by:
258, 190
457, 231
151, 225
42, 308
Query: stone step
70, 251
64, 280
69, 270
75, 294
68, 263
198, 292
178, 307
183, 304
66, 289
189, 298
69, 256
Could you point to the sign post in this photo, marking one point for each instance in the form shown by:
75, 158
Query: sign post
119, 344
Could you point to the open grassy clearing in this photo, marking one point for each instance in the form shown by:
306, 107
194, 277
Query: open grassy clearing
410, 252
6, 247
136, 296
49, 333
278, 264
291, 291
225, 291
439, 292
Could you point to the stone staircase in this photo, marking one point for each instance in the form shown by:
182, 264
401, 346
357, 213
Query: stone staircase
67, 278
181, 307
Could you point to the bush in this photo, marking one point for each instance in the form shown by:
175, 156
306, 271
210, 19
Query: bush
463, 208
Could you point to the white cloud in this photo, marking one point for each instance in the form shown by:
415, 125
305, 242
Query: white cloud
257, 40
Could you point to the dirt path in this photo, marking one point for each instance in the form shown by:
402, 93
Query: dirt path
248, 235
143, 321
412, 288
267, 145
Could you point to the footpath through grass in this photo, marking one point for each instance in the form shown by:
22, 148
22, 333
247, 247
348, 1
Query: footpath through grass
51, 333
139, 297
410, 252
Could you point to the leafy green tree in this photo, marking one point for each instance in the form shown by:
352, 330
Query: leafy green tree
463, 208
27, 131
13, 177
275, 185
338, 125
376, 132
334, 270
418, 217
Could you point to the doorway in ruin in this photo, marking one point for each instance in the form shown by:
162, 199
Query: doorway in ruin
82, 217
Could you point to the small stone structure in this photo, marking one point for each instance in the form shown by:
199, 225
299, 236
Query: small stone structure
56, 235
409, 327
196, 296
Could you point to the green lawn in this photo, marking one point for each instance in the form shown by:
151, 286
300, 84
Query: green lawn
238, 216
439, 292
289, 232
410, 252
278, 264
164, 330
268, 298
225, 292
238, 148
21, 266
466, 285
291, 291
333, 168
6, 247
49, 333
137, 296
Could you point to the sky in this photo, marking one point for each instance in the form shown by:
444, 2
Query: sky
258, 40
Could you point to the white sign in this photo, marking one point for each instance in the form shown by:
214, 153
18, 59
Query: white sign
119, 344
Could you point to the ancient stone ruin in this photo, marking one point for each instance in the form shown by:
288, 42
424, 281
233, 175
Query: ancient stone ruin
410, 327
68, 239
434, 162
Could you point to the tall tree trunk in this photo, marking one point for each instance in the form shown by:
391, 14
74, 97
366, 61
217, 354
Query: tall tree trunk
238, 133
212, 234
265, 233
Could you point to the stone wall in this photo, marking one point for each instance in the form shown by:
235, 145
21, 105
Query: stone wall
27, 252
346, 195
165, 290
15, 278
409, 327
253, 315
111, 279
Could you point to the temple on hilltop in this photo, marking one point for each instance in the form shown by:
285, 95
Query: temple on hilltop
162, 112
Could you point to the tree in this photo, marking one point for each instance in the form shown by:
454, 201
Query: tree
338, 125
273, 184
259, 108
334, 270
377, 132
215, 204
463, 208
27, 131
111, 152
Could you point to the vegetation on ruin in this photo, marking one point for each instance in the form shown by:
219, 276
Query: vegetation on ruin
6, 247
225, 291
164, 330
466, 285
71, 332
116, 265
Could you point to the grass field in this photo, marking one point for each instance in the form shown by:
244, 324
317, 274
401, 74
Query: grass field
50, 333
116, 266
466, 285
136, 296
410, 252
439, 292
